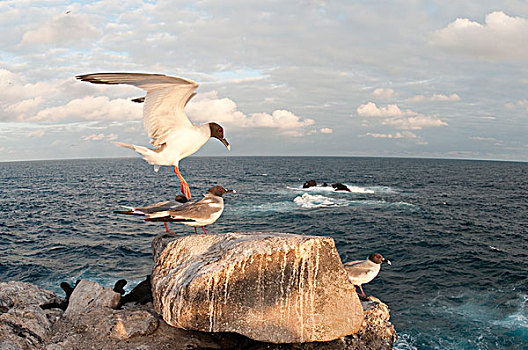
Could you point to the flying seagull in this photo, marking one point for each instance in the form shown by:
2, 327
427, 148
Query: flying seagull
364, 271
195, 213
173, 135
156, 207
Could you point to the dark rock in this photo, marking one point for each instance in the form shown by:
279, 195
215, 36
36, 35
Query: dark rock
119, 286
142, 293
340, 187
310, 183
62, 304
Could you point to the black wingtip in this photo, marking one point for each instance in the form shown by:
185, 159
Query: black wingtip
139, 99
127, 212
168, 219
91, 78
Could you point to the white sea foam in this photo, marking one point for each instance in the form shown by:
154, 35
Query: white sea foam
517, 320
405, 342
310, 201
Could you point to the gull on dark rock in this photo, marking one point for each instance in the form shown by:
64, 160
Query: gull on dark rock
173, 135
363, 271
196, 213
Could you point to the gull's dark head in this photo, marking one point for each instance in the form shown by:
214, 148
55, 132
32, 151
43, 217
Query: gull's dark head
218, 132
220, 191
378, 259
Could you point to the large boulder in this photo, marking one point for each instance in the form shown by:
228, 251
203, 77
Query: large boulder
270, 287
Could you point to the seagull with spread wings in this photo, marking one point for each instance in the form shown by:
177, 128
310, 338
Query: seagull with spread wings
173, 135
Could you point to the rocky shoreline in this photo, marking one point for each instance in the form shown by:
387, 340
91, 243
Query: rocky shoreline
97, 318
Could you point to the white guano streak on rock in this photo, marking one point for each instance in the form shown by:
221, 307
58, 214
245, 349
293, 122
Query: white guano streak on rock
228, 273
283, 272
211, 290
295, 272
260, 293
302, 292
314, 289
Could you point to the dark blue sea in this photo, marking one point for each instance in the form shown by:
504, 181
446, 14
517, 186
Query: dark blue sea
456, 231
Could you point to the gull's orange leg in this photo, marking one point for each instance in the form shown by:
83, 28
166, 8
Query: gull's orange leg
362, 292
195, 232
167, 228
184, 185
204, 229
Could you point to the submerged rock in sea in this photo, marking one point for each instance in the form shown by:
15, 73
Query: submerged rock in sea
309, 183
340, 187
278, 288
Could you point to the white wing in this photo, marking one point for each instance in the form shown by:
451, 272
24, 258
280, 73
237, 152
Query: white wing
165, 101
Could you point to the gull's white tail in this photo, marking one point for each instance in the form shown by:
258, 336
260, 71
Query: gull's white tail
149, 155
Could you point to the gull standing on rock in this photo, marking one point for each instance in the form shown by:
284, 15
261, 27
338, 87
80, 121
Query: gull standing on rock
164, 118
196, 213
156, 207
364, 271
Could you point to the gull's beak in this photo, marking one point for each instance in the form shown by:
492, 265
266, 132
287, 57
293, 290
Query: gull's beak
228, 146
230, 191
387, 261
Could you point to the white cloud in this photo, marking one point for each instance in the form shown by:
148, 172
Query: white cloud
36, 133
372, 110
404, 120
93, 137
91, 108
383, 94
19, 110
326, 131
99, 137
501, 37
61, 30
414, 123
398, 135
435, 98
520, 104
385, 136
208, 107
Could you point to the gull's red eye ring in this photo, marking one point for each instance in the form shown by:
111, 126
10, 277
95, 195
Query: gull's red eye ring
220, 130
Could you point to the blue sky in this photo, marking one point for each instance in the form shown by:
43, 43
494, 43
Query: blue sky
437, 79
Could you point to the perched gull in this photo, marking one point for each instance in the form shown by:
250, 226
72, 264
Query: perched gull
195, 213
156, 207
364, 271
164, 118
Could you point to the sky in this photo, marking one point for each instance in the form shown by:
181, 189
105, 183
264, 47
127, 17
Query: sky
432, 79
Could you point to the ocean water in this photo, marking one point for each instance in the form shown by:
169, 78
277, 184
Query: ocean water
456, 231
